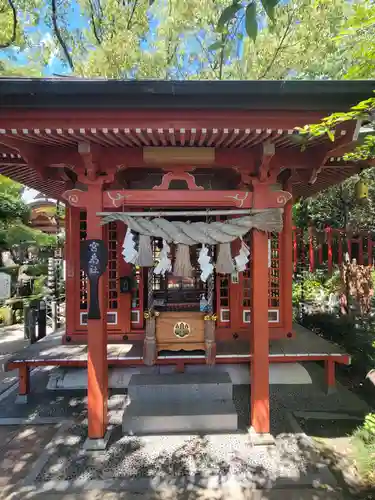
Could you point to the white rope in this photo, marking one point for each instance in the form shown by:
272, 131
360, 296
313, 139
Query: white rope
187, 233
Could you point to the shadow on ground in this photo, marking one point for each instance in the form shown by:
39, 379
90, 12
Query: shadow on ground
180, 467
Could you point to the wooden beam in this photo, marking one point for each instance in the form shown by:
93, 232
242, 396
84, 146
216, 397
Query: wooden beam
268, 152
91, 167
97, 367
155, 119
260, 405
178, 155
24, 380
261, 198
287, 268
345, 140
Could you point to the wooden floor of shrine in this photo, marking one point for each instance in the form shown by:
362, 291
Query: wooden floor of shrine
305, 346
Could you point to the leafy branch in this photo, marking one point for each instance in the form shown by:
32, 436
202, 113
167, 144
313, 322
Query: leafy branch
279, 47
93, 15
363, 111
250, 12
59, 37
129, 23
14, 29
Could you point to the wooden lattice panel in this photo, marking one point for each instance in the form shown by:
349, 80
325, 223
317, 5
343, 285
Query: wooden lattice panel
82, 274
113, 274
113, 279
223, 298
274, 278
137, 299
274, 272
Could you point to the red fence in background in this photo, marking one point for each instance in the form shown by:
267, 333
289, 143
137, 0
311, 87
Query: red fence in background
313, 249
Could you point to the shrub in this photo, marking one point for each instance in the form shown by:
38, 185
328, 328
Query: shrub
39, 284
364, 445
5, 316
36, 269
356, 336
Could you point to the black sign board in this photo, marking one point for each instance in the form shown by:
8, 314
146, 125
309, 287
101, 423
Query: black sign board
94, 260
126, 284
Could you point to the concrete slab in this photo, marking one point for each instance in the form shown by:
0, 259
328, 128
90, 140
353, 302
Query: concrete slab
76, 378
119, 377
324, 415
98, 444
180, 387
264, 439
156, 418
22, 399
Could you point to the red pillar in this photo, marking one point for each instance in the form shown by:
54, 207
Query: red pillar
97, 369
71, 257
340, 236
295, 248
260, 411
360, 250
329, 245
287, 269
311, 254
330, 375
369, 249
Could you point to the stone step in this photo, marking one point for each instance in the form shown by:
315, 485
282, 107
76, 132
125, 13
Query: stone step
179, 417
173, 387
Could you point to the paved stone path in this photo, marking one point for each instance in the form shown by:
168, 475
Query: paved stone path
32, 454
20, 447
11, 340
231, 493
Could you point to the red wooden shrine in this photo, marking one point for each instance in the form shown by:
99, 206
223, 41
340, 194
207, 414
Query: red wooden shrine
325, 249
103, 146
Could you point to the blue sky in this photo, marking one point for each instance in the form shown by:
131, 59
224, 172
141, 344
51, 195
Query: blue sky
78, 20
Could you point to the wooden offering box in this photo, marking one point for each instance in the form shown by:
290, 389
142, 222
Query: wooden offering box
180, 330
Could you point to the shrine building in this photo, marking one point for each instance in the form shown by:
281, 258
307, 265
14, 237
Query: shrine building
178, 218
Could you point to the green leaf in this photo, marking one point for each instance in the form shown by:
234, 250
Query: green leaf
269, 7
216, 46
251, 21
228, 14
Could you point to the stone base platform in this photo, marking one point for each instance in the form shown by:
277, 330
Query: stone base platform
180, 403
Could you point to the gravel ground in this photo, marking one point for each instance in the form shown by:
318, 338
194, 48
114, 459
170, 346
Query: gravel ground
291, 460
168, 457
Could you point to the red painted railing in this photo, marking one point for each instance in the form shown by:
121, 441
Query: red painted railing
313, 249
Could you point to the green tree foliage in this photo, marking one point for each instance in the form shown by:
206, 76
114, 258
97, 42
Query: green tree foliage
338, 207
171, 39
299, 45
357, 39
11, 205
14, 215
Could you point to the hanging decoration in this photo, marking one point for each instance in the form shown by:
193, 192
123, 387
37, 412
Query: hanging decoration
224, 262
210, 323
205, 263
182, 264
145, 258
242, 258
185, 234
129, 250
209, 233
164, 265
361, 190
